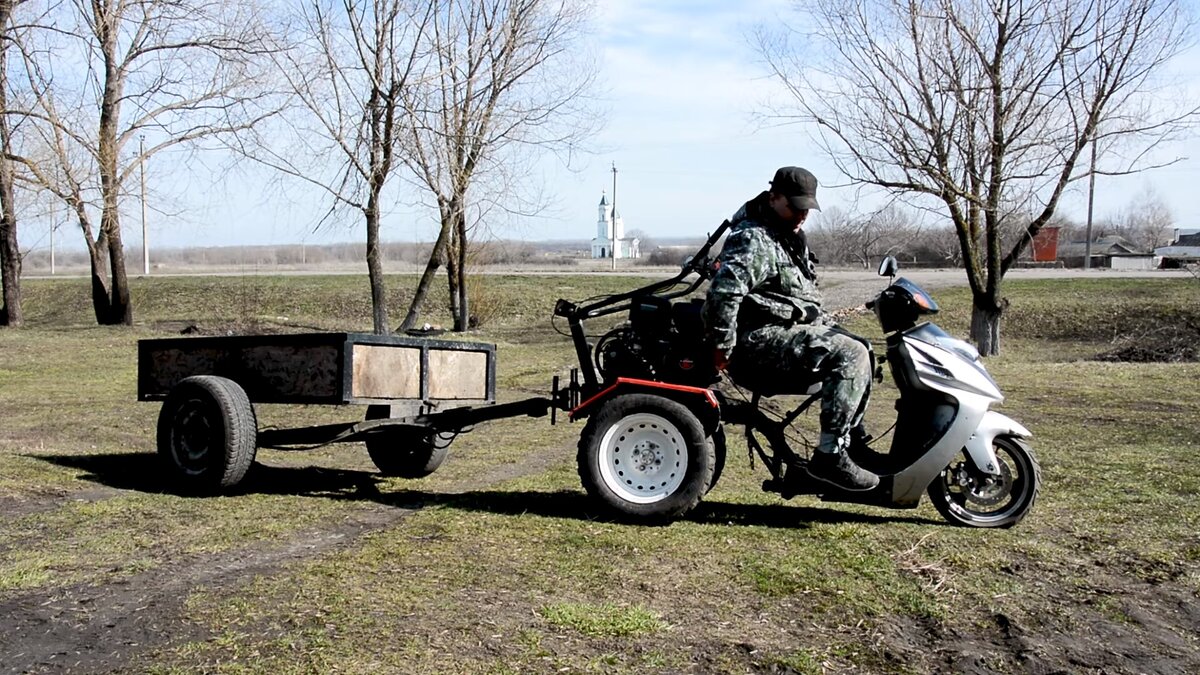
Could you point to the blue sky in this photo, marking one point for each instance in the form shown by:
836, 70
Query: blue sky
681, 84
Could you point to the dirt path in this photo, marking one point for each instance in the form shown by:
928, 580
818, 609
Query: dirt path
97, 628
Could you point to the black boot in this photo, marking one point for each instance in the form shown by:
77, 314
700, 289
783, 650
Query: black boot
862, 454
837, 469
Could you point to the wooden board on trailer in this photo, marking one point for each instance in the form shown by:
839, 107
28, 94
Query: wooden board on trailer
330, 368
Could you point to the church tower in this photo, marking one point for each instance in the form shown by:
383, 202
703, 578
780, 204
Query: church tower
604, 223
608, 224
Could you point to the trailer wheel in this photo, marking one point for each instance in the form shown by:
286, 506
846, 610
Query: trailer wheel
646, 457
207, 433
404, 453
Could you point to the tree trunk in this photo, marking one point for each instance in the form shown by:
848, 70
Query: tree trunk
101, 304
10, 272
985, 327
379, 311
10, 252
462, 321
120, 308
439, 247
454, 275
97, 262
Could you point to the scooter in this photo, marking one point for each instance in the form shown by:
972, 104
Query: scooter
975, 464
654, 443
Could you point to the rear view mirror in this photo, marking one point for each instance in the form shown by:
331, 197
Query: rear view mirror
888, 267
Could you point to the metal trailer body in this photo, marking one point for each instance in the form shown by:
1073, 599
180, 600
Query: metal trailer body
325, 368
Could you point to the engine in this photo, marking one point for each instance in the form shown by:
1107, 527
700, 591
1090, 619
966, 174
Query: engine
661, 341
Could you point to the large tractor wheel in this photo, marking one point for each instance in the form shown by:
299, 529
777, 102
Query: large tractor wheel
646, 457
207, 433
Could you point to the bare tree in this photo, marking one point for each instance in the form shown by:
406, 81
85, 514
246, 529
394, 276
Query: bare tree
942, 242
108, 72
10, 255
1146, 222
881, 233
346, 71
845, 237
984, 106
510, 77
827, 235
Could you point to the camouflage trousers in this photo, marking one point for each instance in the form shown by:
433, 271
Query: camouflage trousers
780, 359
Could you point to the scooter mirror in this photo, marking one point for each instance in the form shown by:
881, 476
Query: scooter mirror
888, 267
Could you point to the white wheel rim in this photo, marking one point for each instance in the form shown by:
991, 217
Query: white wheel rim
643, 458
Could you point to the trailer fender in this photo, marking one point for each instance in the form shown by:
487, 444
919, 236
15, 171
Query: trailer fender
703, 402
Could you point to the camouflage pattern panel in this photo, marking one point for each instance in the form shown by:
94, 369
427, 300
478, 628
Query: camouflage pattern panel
757, 284
788, 360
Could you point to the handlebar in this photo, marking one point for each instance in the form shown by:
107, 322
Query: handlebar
699, 263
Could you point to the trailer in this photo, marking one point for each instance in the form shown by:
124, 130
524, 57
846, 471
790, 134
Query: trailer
419, 393
652, 446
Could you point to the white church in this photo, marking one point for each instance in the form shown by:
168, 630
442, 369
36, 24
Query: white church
610, 225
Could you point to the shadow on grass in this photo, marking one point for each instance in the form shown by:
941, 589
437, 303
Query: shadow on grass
142, 472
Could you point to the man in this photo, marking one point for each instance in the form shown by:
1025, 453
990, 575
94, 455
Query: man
763, 317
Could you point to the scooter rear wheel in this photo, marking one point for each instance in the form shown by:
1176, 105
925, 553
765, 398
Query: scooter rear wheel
965, 497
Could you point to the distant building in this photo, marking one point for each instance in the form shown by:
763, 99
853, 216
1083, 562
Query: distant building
1113, 252
611, 226
1185, 250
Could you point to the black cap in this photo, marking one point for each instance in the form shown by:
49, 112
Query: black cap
798, 185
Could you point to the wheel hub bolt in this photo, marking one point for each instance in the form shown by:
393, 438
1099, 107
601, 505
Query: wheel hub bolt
646, 455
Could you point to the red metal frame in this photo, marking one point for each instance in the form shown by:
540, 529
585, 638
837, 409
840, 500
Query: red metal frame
649, 384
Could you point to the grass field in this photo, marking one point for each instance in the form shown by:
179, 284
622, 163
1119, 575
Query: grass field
497, 563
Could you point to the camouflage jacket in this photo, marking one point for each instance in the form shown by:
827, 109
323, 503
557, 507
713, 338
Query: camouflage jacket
759, 281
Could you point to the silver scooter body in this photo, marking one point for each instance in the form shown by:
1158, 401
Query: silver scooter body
936, 369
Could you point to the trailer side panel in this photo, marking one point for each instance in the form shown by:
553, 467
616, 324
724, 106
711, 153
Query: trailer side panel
326, 368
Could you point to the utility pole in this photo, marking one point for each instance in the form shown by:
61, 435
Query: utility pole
53, 227
1087, 246
145, 242
613, 250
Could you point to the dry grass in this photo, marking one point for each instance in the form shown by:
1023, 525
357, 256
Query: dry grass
497, 562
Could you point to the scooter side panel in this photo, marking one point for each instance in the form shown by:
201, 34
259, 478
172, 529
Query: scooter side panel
979, 446
909, 484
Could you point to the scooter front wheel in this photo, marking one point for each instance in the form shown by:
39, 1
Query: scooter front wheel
966, 497
646, 457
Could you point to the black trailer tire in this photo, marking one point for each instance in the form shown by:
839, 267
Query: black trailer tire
403, 452
645, 457
1014, 495
207, 433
